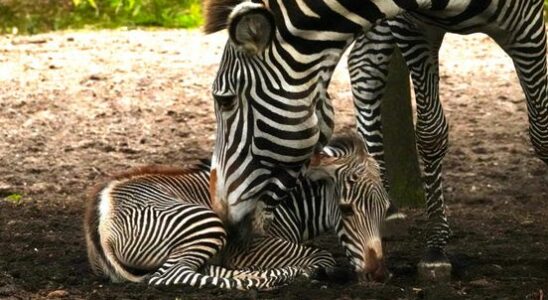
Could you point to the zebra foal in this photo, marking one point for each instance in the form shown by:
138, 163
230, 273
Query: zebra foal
137, 233
342, 192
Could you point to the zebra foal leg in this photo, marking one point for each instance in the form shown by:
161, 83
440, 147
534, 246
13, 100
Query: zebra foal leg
265, 252
183, 264
420, 46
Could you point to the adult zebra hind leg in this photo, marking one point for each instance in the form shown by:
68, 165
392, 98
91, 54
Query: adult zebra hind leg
368, 63
420, 45
528, 52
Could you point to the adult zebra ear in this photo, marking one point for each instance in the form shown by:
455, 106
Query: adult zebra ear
251, 27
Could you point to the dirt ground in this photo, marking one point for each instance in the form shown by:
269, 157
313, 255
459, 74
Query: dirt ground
76, 106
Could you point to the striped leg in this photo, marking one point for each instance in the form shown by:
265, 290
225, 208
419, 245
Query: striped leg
265, 252
528, 51
269, 278
368, 64
420, 46
181, 269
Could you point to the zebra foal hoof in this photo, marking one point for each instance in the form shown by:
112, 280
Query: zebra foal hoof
434, 267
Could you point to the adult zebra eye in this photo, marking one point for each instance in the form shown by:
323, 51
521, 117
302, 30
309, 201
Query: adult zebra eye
346, 210
224, 101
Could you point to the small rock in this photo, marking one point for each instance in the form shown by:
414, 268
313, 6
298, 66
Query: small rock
39, 187
5, 189
32, 40
97, 77
8, 290
480, 282
58, 294
498, 267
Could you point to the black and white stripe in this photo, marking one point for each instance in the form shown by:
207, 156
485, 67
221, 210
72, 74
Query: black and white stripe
342, 192
273, 111
272, 108
137, 230
517, 26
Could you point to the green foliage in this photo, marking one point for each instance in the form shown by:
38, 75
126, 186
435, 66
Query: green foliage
28, 16
14, 198
33, 16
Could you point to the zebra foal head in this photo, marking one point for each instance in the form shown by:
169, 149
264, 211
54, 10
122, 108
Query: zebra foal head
363, 203
270, 109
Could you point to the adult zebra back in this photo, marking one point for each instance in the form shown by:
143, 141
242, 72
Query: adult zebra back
517, 26
273, 111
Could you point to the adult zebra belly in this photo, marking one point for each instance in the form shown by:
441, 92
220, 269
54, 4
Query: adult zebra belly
478, 16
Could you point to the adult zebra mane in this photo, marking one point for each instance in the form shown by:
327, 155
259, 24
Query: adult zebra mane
216, 13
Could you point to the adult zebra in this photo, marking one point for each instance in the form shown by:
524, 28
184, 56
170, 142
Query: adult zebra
273, 110
516, 26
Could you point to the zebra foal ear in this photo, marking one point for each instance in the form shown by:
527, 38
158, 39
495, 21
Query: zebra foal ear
251, 27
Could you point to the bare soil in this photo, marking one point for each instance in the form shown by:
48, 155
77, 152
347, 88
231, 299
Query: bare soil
76, 106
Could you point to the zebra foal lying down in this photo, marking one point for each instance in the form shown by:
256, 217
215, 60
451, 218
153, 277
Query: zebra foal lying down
136, 232
156, 225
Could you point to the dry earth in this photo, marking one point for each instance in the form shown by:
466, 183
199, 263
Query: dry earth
76, 106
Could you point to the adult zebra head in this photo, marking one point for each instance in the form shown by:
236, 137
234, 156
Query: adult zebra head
270, 92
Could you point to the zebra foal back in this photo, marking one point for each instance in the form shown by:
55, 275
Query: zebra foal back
137, 229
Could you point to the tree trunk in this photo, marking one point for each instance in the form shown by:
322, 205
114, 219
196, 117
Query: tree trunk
404, 176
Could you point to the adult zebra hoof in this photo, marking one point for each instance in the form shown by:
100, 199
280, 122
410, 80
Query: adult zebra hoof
435, 266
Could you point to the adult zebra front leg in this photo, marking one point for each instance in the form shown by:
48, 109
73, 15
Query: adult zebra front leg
420, 46
368, 64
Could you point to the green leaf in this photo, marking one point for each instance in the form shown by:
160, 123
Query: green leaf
14, 198
92, 3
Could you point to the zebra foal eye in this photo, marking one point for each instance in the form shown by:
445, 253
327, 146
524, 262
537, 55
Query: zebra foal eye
346, 210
